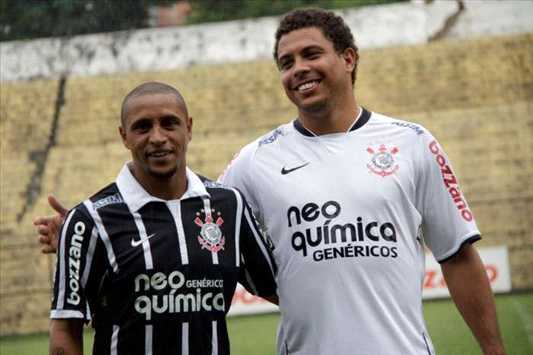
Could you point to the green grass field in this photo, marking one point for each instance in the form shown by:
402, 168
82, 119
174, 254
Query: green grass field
255, 335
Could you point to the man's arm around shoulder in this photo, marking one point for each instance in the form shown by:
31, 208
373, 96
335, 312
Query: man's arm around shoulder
66, 337
470, 290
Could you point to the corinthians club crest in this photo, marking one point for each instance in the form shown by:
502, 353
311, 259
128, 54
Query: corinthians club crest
382, 162
210, 237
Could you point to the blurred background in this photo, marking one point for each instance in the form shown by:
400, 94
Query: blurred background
461, 68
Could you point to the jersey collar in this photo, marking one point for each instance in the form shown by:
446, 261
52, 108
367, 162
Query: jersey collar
136, 196
360, 122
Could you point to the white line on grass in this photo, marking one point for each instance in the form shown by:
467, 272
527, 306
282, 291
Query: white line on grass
525, 317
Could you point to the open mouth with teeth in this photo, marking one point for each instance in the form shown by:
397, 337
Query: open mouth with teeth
307, 86
158, 154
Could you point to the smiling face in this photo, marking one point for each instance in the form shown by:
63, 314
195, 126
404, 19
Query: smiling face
313, 74
156, 129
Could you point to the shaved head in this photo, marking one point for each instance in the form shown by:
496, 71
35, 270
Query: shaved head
150, 88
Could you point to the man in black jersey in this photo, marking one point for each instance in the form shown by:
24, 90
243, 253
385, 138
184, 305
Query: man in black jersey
153, 258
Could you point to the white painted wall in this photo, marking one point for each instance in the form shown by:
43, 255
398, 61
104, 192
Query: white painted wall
236, 41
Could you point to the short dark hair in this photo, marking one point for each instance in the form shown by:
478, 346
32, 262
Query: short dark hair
150, 88
332, 26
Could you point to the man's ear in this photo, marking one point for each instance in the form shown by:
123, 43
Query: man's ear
123, 136
350, 59
189, 127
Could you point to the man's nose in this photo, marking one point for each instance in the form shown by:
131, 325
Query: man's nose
300, 67
157, 136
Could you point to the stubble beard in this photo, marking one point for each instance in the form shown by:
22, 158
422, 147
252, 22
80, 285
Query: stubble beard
315, 109
163, 174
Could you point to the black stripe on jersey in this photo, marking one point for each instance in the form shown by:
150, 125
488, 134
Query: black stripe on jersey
214, 334
167, 335
470, 240
160, 227
102, 340
120, 226
365, 116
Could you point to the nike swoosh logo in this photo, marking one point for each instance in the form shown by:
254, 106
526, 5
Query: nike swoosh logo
287, 171
135, 243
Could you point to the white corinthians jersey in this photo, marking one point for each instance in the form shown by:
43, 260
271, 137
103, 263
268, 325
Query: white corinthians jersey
349, 215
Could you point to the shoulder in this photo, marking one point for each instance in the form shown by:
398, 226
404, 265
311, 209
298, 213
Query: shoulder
267, 144
407, 133
268, 141
396, 124
216, 188
106, 197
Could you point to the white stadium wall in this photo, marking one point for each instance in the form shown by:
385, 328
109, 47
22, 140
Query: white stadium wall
169, 48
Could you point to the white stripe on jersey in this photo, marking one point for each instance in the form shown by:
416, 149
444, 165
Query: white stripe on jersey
62, 276
185, 338
88, 315
214, 339
103, 234
64, 313
148, 334
89, 257
238, 221
209, 216
175, 211
114, 340
259, 240
144, 238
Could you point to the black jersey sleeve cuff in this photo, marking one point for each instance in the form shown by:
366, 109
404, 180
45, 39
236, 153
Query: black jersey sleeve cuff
470, 240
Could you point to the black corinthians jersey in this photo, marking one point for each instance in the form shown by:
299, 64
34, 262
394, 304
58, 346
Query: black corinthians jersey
157, 276
349, 215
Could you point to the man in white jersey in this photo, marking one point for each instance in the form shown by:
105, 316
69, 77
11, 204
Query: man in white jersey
350, 198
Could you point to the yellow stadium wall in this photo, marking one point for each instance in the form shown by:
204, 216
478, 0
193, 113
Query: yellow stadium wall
475, 96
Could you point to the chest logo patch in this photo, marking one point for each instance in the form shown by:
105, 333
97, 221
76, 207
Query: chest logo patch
382, 162
210, 237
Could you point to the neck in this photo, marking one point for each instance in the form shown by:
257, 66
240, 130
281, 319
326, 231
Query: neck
164, 187
335, 117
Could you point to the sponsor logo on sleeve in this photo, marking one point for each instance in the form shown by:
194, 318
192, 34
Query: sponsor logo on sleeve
116, 198
418, 130
74, 256
450, 182
272, 137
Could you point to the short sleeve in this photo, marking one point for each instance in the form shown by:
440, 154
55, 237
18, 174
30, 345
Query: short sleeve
447, 220
258, 268
78, 240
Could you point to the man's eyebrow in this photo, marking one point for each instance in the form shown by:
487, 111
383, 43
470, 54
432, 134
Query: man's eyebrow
312, 47
172, 116
142, 120
305, 49
284, 57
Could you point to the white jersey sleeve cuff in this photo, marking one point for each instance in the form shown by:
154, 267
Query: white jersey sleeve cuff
471, 238
66, 314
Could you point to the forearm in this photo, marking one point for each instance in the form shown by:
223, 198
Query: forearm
66, 337
470, 290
